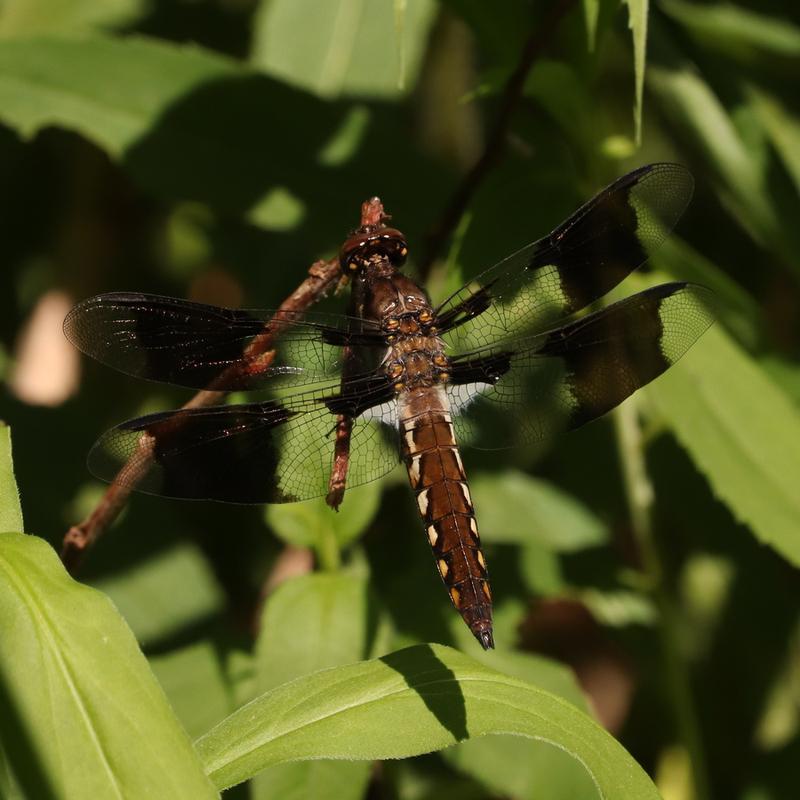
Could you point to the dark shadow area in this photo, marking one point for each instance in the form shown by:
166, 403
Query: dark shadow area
231, 139
436, 685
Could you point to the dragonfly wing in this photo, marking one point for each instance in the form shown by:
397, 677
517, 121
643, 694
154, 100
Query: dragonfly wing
190, 344
577, 372
271, 452
579, 262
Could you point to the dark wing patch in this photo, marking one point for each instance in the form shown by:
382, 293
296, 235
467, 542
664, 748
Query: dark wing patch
192, 344
566, 377
579, 262
271, 452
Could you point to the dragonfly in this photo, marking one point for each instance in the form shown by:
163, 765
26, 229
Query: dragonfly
522, 352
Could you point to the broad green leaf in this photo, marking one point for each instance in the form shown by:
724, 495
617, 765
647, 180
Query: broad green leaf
95, 714
312, 623
410, 702
353, 47
186, 123
637, 21
170, 591
311, 523
30, 17
742, 432
192, 672
516, 508
736, 30
10, 510
111, 91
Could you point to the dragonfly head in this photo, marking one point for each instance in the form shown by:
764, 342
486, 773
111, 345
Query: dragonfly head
370, 247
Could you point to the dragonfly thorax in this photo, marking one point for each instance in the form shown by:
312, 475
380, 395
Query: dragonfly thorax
416, 362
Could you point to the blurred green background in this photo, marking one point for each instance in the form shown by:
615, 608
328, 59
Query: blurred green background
213, 149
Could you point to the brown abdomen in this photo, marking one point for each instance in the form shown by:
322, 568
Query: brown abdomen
437, 477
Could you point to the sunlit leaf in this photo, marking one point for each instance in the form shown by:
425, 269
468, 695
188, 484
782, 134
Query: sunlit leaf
742, 432
410, 702
29, 17
10, 511
354, 47
186, 123
93, 710
110, 90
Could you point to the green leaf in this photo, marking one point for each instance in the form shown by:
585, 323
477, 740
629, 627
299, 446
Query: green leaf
95, 714
786, 374
782, 127
410, 702
353, 47
312, 623
168, 592
517, 767
192, 672
516, 508
637, 21
742, 432
10, 509
186, 123
91, 85
591, 13
736, 30
29, 17
743, 182
308, 524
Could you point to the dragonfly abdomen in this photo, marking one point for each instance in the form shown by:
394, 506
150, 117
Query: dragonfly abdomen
437, 477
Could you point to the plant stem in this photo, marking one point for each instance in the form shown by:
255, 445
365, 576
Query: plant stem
640, 496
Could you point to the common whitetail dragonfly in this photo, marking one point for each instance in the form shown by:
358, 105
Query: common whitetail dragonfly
400, 379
